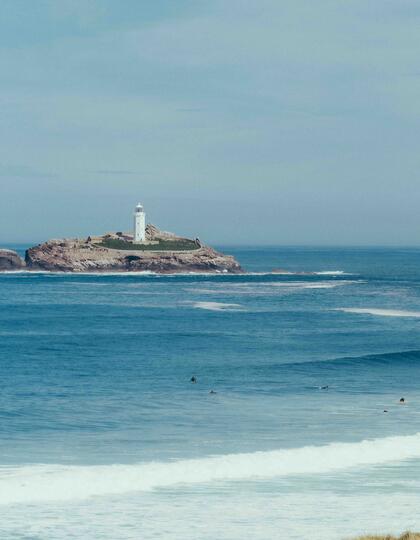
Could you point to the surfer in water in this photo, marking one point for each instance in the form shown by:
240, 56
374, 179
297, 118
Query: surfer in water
402, 400
193, 379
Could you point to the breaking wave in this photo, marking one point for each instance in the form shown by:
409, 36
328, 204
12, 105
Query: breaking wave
35, 483
216, 306
381, 312
333, 273
314, 284
175, 274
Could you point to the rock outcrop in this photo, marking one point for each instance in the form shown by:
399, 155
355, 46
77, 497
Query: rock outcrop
163, 253
10, 260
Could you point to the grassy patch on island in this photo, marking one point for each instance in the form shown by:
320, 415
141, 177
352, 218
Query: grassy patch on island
405, 536
162, 245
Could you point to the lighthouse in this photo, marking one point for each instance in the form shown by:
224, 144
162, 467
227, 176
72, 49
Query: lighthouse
139, 225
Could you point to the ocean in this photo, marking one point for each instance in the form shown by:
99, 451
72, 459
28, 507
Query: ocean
284, 434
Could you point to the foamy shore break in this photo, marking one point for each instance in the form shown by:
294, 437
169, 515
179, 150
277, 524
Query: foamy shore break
162, 253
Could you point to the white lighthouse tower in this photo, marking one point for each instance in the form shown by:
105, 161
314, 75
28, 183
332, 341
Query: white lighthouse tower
139, 225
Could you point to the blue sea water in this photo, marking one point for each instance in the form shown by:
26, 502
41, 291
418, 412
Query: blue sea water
103, 436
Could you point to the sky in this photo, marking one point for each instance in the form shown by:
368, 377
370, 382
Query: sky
238, 121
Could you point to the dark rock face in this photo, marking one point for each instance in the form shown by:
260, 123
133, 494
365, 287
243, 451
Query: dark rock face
10, 260
82, 256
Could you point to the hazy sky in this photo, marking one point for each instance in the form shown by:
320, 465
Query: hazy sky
265, 121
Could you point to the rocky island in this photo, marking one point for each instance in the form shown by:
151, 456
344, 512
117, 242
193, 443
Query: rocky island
10, 260
160, 252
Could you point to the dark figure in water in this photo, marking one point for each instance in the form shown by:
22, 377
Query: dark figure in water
193, 379
385, 410
212, 392
324, 387
402, 400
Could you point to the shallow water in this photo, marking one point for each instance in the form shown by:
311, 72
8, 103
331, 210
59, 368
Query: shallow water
103, 435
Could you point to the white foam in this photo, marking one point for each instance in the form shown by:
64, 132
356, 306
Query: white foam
381, 312
322, 285
268, 288
37, 483
313, 284
332, 273
300, 273
216, 306
121, 273
25, 272
174, 274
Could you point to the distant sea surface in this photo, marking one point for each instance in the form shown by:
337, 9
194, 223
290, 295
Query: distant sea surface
103, 436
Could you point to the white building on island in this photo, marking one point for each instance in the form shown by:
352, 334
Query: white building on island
139, 225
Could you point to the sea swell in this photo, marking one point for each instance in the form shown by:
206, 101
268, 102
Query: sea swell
397, 358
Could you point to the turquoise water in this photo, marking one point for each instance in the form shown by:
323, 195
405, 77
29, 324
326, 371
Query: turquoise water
104, 435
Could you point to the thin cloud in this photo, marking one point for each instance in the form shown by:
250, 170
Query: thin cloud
197, 109
24, 172
111, 171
